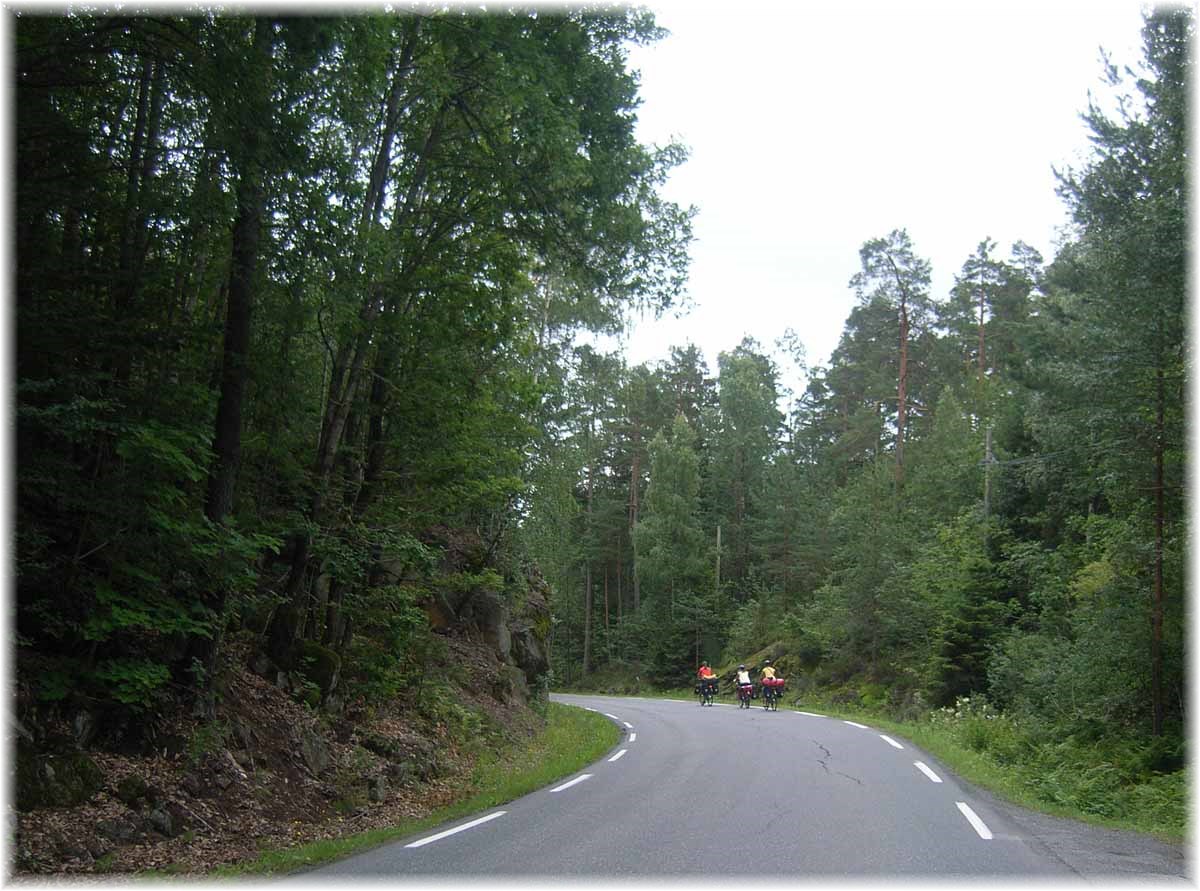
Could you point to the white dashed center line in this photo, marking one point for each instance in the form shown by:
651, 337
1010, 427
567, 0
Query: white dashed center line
633, 737
627, 724
614, 717
929, 773
853, 724
618, 755
810, 714
578, 779
891, 742
974, 820
455, 830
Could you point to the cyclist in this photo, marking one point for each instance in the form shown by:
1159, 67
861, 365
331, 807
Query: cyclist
706, 679
745, 685
772, 686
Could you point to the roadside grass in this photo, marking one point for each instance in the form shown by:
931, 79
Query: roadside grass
1055, 778
572, 739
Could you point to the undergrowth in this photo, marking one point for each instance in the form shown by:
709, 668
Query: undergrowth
572, 739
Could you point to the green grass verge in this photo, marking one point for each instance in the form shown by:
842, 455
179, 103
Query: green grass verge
1026, 783
1017, 781
572, 739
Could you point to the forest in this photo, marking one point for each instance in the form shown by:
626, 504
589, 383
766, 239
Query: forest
301, 305
978, 504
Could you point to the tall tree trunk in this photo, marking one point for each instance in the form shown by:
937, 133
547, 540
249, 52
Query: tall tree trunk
135, 227
247, 231
982, 344
1156, 637
902, 383
634, 477
607, 634
227, 439
587, 618
377, 410
352, 354
587, 569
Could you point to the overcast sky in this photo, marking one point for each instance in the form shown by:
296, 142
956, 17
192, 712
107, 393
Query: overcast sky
814, 127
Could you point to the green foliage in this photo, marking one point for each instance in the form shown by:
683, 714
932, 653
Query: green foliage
438, 703
134, 682
412, 373
386, 660
117, 611
405, 339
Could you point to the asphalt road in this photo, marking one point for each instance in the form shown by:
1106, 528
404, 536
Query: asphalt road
722, 791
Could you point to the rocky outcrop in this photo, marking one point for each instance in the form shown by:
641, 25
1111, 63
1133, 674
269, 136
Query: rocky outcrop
60, 779
530, 630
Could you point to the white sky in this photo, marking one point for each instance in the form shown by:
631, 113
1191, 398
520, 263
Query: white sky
815, 127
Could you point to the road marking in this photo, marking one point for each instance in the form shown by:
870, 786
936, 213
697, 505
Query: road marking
578, 779
852, 724
974, 820
618, 755
811, 714
929, 773
455, 830
614, 717
627, 724
891, 742
633, 737
586, 708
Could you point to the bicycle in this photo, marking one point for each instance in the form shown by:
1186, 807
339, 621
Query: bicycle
772, 692
770, 699
745, 692
707, 692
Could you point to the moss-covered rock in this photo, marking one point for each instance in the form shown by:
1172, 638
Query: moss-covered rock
313, 750
54, 780
510, 685
320, 665
132, 790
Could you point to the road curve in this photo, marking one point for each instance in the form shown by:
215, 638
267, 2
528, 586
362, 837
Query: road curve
726, 791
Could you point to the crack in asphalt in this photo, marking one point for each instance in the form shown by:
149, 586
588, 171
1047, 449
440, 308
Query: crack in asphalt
828, 755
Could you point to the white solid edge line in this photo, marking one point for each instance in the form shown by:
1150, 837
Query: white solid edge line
618, 755
578, 779
925, 770
811, 714
633, 737
891, 742
614, 717
974, 820
455, 830
853, 724
627, 724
